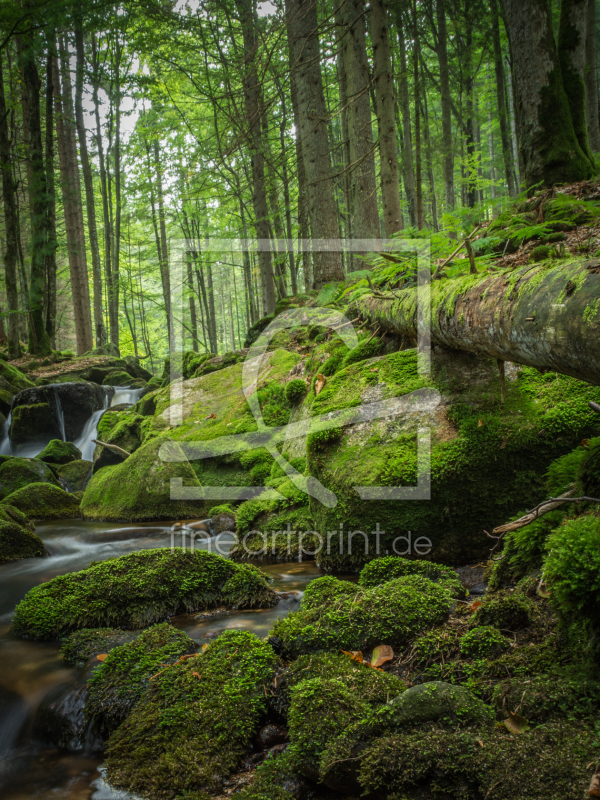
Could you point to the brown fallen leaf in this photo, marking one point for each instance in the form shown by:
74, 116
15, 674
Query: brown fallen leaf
197, 674
480, 423
516, 723
319, 383
381, 654
594, 790
480, 743
474, 606
355, 655
102, 656
210, 416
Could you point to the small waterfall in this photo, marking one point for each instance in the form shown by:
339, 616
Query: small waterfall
85, 442
123, 394
60, 416
5, 448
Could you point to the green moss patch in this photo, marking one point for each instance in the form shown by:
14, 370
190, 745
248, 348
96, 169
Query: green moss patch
44, 501
17, 542
131, 591
195, 722
387, 568
15, 473
75, 475
78, 647
59, 452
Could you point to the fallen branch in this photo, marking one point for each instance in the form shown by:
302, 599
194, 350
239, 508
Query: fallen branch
441, 266
535, 513
113, 447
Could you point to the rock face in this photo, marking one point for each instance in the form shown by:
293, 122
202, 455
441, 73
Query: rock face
59, 452
16, 473
72, 402
438, 700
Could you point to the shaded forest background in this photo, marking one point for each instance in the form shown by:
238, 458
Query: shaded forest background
134, 133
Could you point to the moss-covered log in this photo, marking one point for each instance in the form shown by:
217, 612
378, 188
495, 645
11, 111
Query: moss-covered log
542, 315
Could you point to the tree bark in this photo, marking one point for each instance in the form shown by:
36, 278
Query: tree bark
446, 102
407, 149
164, 259
302, 26
11, 227
572, 41
591, 78
51, 190
528, 319
386, 123
365, 223
86, 168
548, 144
503, 118
115, 280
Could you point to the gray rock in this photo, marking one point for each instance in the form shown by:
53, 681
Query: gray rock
222, 522
438, 700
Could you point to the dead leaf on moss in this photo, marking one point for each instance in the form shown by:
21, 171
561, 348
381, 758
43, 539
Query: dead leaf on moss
355, 655
516, 723
319, 384
102, 656
381, 654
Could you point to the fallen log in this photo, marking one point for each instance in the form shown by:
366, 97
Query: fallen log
527, 316
115, 448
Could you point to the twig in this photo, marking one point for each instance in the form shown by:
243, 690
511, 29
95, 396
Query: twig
375, 332
112, 447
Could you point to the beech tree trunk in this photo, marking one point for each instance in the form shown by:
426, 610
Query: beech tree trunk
164, 260
548, 143
86, 168
11, 227
591, 78
447, 149
407, 149
507, 153
528, 319
52, 245
365, 222
572, 41
302, 26
386, 122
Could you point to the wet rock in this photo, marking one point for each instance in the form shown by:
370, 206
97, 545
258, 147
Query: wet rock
6, 399
59, 452
16, 473
61, 720
270, 735
14, 377
438, 700
33, 424
18, 542
222, 522
13, 713
74, 477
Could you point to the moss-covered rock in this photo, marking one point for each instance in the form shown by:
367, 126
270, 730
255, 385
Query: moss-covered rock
386, 568
439, 701
78, 647
482, 642
131, 591
142, 488
505, 611
44, 501
59, 452
124, 676
392, 613
121, 428
75, 475
197, 720
14, 376
16, 473
6, 399
33, 424
117, 378
18, 542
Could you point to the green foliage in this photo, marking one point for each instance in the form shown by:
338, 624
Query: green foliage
195, 722
118, 684
505, 611
78, 647
482, 642
295, 391
572, 568
130, 591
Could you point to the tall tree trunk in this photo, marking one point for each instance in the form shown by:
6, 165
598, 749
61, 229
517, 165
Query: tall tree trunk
75, 184
446, 102
303, 223
39, 339
591, 78
430, 172
86, 168
407, 149
193, 321
113, 289
503, 117
51, 190
386, 123
550, 150
164, 260
346, 211
365, 223
572, 40
11, 227
254, 112
302, 26
418, 170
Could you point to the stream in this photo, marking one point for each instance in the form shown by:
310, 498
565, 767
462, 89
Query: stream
30, 670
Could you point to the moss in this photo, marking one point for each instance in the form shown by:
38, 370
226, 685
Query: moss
44, 501
275, 779
75, 475
504, 611
16, 473
130, 591
391, 614
440, 701
482, 642
540, 253
117, 378
17, 542
6, 399
326, 591
248, 588
140, 488
14, 376
59, 452
295, 390
224, 508
386, 568
78, 647
125, 675
195, 722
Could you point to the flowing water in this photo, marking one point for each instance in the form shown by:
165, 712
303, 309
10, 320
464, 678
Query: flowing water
31, 671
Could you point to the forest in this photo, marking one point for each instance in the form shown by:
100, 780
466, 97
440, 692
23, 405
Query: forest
299, 400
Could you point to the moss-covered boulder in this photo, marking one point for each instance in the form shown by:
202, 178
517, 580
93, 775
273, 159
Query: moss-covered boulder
117, 378
195, 722
75, 475
392, 613
505, 611
33, 424
59, 452
144, 487
71, 404
438, 700
78, 647
18, 542
121, 428
44, 501
380, 570
124, 676
16, 473
6, 399
132, 591
14, 376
